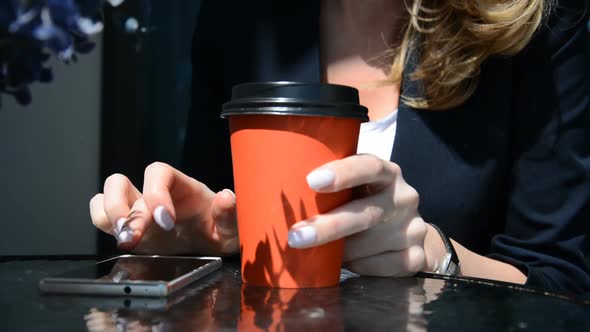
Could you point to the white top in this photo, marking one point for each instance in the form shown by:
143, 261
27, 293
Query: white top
376, 137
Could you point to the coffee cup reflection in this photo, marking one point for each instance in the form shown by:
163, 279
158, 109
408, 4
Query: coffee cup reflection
282, 309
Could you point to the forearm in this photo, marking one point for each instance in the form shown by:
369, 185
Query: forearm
472, 264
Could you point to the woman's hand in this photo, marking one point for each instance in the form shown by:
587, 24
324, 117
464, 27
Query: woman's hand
385, 233
173, 214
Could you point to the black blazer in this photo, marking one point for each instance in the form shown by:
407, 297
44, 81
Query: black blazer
507, 174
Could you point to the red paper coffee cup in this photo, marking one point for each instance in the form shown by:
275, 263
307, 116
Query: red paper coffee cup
280, 132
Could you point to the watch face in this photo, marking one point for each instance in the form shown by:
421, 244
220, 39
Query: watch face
450, 264
453, 269
444, 264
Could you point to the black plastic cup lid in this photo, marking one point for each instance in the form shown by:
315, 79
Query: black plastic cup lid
295, 98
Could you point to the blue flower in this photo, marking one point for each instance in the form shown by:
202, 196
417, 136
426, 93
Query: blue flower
33, 30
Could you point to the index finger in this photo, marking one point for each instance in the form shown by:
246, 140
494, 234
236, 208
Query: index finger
172, 196
352, 172
353, 217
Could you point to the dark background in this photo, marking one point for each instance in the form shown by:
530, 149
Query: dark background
146, 89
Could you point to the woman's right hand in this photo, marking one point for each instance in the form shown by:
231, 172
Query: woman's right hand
174, 214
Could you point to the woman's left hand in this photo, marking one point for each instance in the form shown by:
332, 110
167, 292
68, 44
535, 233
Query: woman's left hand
385, 233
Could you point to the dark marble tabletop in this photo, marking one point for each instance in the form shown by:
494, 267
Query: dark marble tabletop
221, 303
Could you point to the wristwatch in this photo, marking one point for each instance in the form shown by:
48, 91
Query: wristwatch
450, 264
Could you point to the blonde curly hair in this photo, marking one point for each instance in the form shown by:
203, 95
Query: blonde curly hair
454, 37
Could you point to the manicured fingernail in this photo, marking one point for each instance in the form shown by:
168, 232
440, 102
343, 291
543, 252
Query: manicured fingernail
120, 223
163, 218
320, 179
302, 237
231, 192
125, 235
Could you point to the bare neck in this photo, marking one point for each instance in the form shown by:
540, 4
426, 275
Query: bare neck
368, 28
356, 36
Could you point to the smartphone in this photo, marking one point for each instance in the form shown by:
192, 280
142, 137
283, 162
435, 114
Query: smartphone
105, 303
133, 275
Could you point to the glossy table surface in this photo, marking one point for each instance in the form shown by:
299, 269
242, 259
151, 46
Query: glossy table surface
220, 302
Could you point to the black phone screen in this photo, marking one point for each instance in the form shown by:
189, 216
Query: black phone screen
138, 268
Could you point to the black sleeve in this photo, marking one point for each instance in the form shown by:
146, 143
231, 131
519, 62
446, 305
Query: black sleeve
547, 228
206, 152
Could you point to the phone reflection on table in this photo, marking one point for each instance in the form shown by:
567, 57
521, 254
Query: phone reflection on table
191, 305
